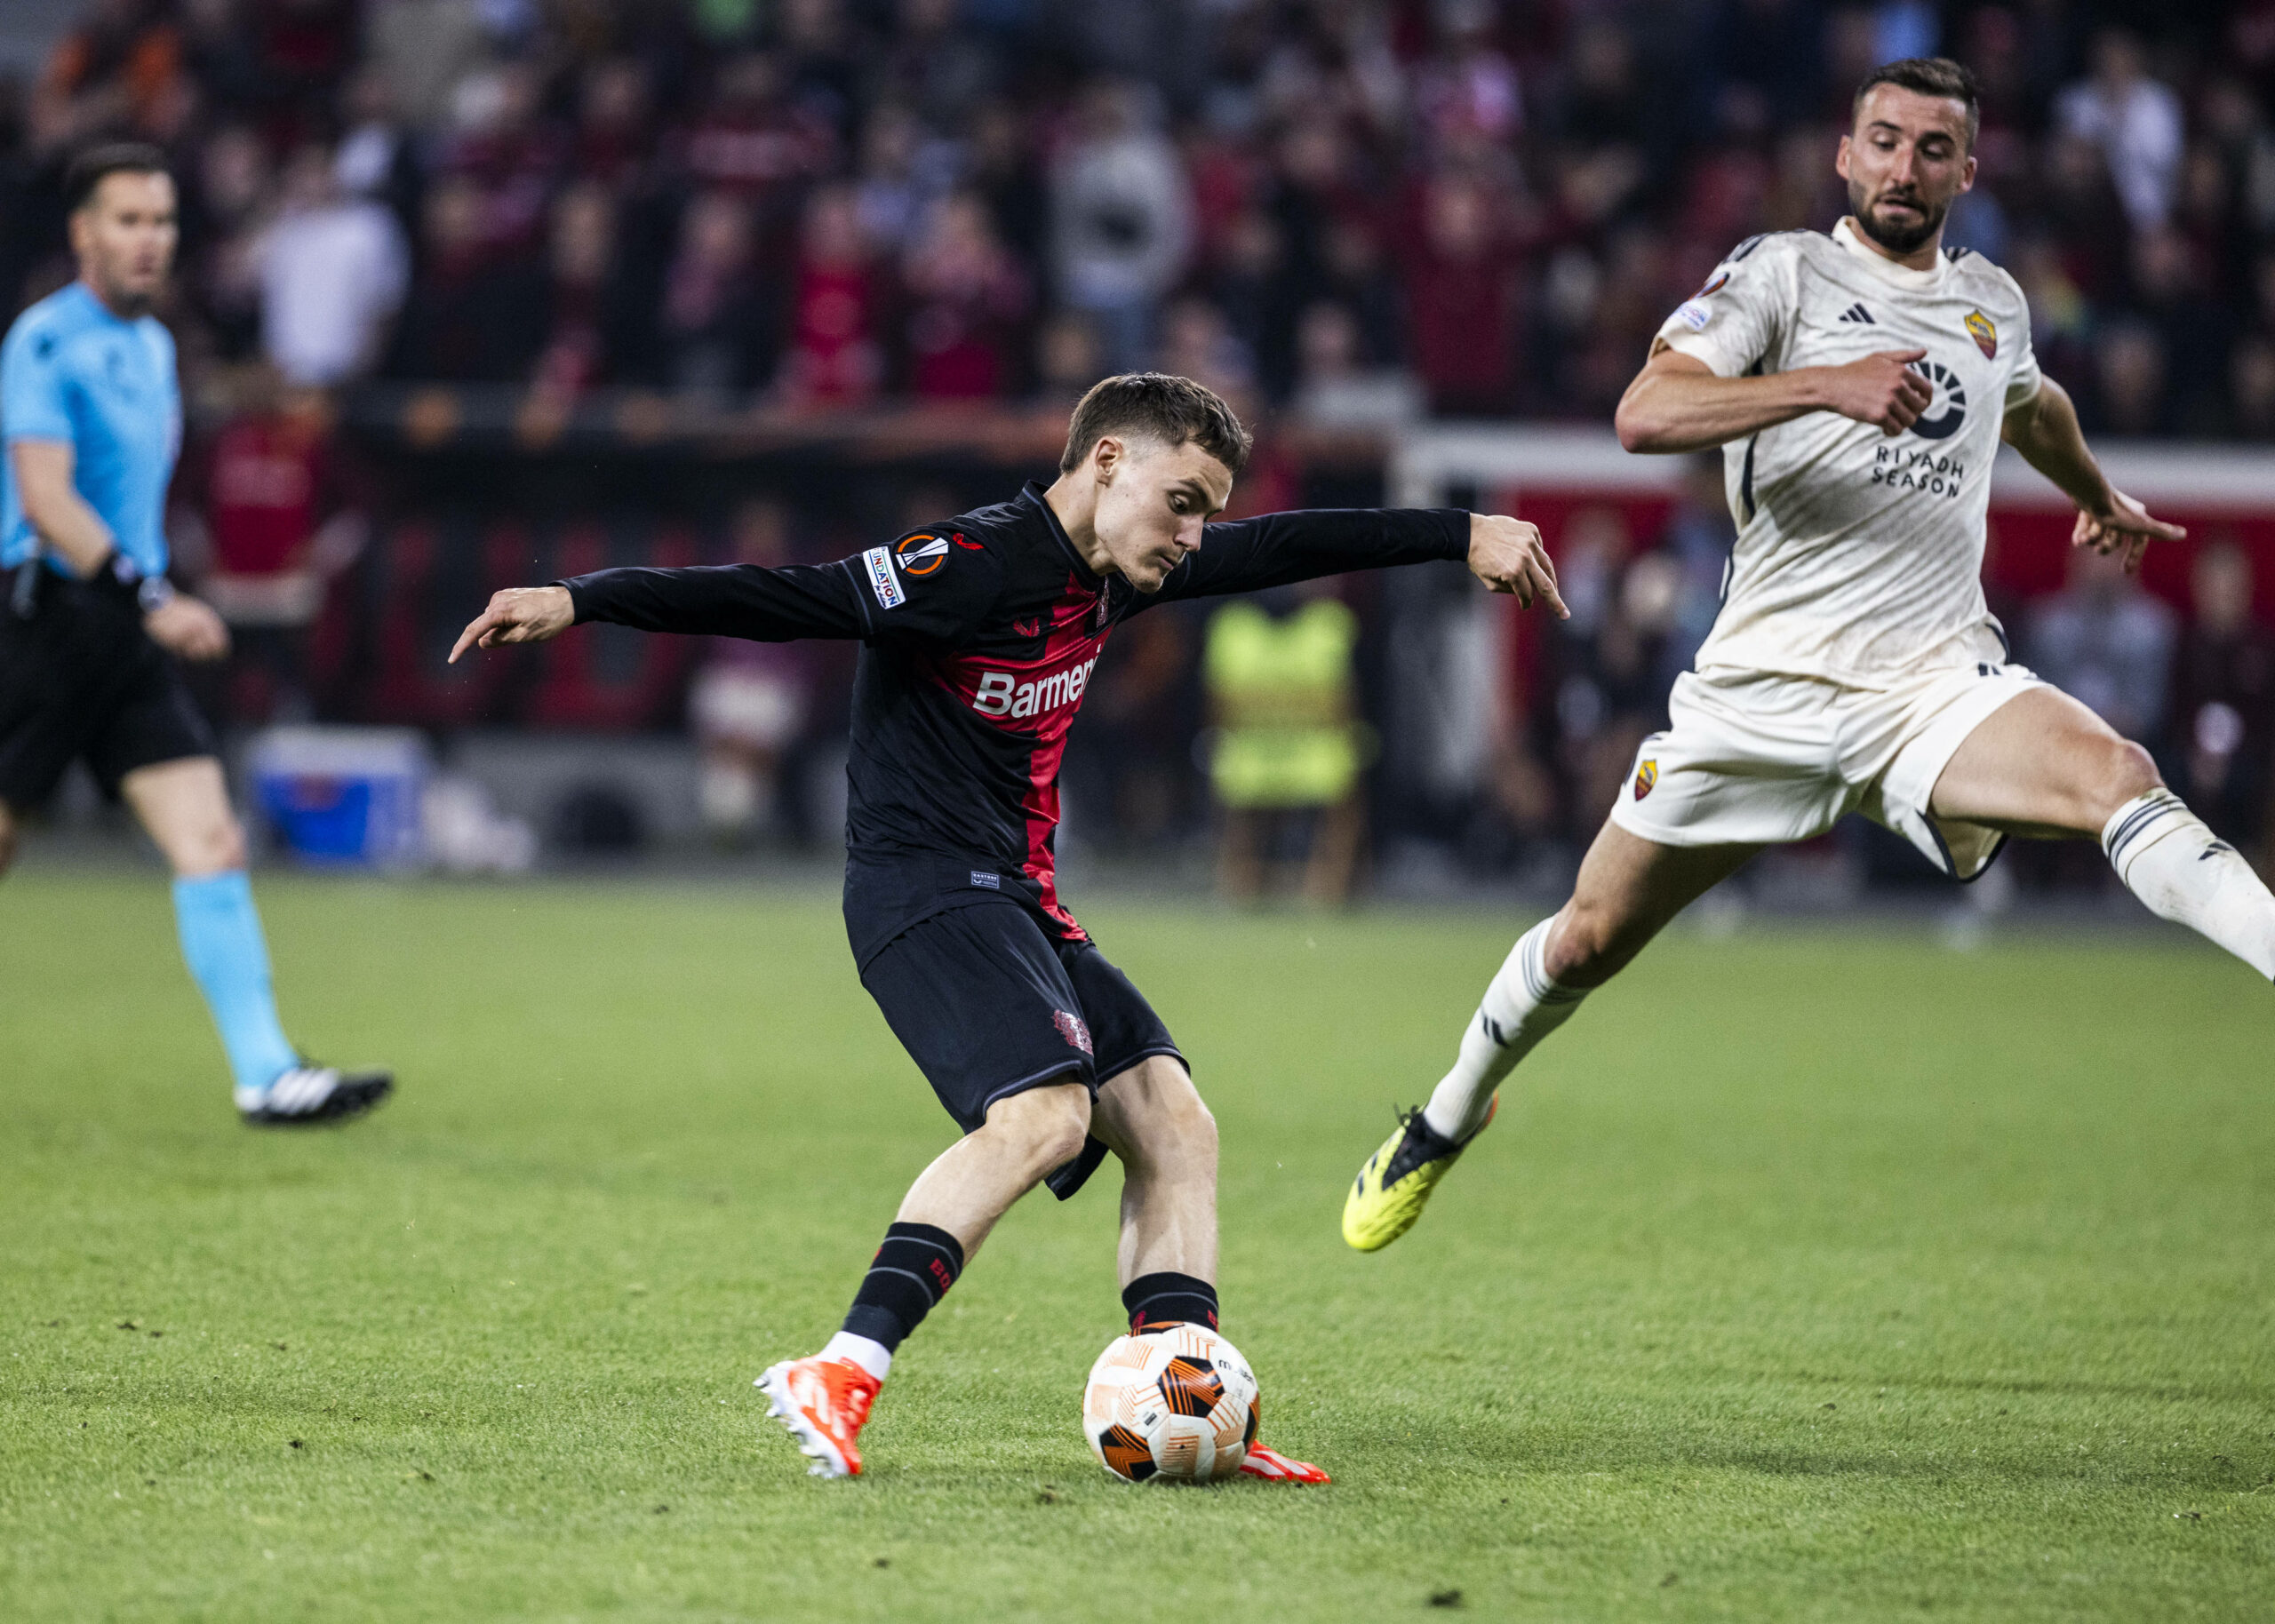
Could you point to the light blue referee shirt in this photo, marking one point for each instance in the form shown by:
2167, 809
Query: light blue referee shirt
72, 371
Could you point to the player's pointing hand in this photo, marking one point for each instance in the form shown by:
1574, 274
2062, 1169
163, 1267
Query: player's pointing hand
1508, 555
1881, 390
518, 614
2121, 525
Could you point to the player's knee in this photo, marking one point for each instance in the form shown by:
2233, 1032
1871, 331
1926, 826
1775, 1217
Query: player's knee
2128, 772
1049, 1123
1589, 947
215, 847
1181, 1134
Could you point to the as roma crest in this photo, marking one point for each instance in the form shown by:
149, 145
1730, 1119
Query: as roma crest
1647, 774
1986, 336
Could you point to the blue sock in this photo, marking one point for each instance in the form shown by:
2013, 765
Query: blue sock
229, 959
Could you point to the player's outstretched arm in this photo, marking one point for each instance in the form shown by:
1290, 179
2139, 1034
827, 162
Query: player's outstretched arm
862, 597
2045, 429
1275, 549
1679, 403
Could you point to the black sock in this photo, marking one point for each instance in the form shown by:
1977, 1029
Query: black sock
906, 1279
1154, 1300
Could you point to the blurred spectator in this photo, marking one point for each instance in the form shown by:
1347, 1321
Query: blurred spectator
587, 327
1198, 343
2135, 121
1288, 752
2193, 331
716, 334
753, 139
333, 269
1124, 222
1333, 390
278, 528
749, 702
505, 145
612, 139
375, 158
470, 314
2223, 700
422, 49
1461, 289
225, 211
969, 299
836, 300
2251, 384
2107, 643
1605, 662
2129, 378
1068, 360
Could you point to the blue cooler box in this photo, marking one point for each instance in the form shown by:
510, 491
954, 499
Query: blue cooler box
342, 797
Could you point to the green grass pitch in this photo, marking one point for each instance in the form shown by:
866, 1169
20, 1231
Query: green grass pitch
1810, 1275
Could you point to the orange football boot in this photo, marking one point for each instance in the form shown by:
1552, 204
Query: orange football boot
823, 1403
1274, 1467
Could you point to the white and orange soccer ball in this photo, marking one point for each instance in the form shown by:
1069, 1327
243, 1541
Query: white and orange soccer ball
1177, 1406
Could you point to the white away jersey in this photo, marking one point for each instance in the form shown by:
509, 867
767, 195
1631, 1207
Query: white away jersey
1859, 556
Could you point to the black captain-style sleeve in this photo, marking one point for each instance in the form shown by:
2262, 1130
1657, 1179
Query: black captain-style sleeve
1274, 549
922, 586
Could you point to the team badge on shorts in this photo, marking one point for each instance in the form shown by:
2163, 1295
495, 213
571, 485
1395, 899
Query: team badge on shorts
1986, 336
920, 555
1071, 1028
1647, 774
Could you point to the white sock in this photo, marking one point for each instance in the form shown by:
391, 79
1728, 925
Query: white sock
870, 1355
2184, 873
1522, 1007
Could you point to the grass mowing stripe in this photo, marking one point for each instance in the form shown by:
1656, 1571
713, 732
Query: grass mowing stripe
1811, 1274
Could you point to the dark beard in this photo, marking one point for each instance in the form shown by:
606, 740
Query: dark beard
1896, 240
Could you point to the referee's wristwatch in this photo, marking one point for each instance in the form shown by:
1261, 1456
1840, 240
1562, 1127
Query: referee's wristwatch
154, 593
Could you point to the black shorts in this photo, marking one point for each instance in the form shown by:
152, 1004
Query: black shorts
989, 1006
80, 677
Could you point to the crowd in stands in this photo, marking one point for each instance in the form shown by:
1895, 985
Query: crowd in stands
1349, 212
1357, 208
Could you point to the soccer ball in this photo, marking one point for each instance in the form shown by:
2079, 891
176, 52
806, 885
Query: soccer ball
1178, 1405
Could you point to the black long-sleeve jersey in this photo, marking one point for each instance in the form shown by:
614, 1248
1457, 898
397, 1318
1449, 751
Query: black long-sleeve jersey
979, 635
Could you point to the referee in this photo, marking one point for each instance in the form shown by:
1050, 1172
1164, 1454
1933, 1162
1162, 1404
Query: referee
91, 630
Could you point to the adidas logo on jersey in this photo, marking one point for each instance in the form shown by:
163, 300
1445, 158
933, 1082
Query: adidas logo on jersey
1857, 312
1000, 694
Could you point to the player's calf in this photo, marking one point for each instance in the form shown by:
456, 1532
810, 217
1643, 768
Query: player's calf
2168, 858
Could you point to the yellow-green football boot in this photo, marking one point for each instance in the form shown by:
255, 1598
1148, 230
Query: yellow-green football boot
1395, 1183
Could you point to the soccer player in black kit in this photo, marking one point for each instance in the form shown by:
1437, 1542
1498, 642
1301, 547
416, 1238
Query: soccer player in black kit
979, 635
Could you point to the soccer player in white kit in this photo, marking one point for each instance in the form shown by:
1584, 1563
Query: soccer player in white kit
1859, 384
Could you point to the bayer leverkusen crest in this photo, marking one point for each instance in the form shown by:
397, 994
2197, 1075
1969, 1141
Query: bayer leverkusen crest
1986, 336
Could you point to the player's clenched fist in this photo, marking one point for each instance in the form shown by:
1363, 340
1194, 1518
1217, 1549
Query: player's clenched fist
1881, 390
518, 614
1508, 555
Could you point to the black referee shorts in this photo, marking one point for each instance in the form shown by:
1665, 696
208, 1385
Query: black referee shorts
80, 677
989, 1006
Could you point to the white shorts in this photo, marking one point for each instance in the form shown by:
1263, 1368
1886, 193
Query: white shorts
1759, 759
